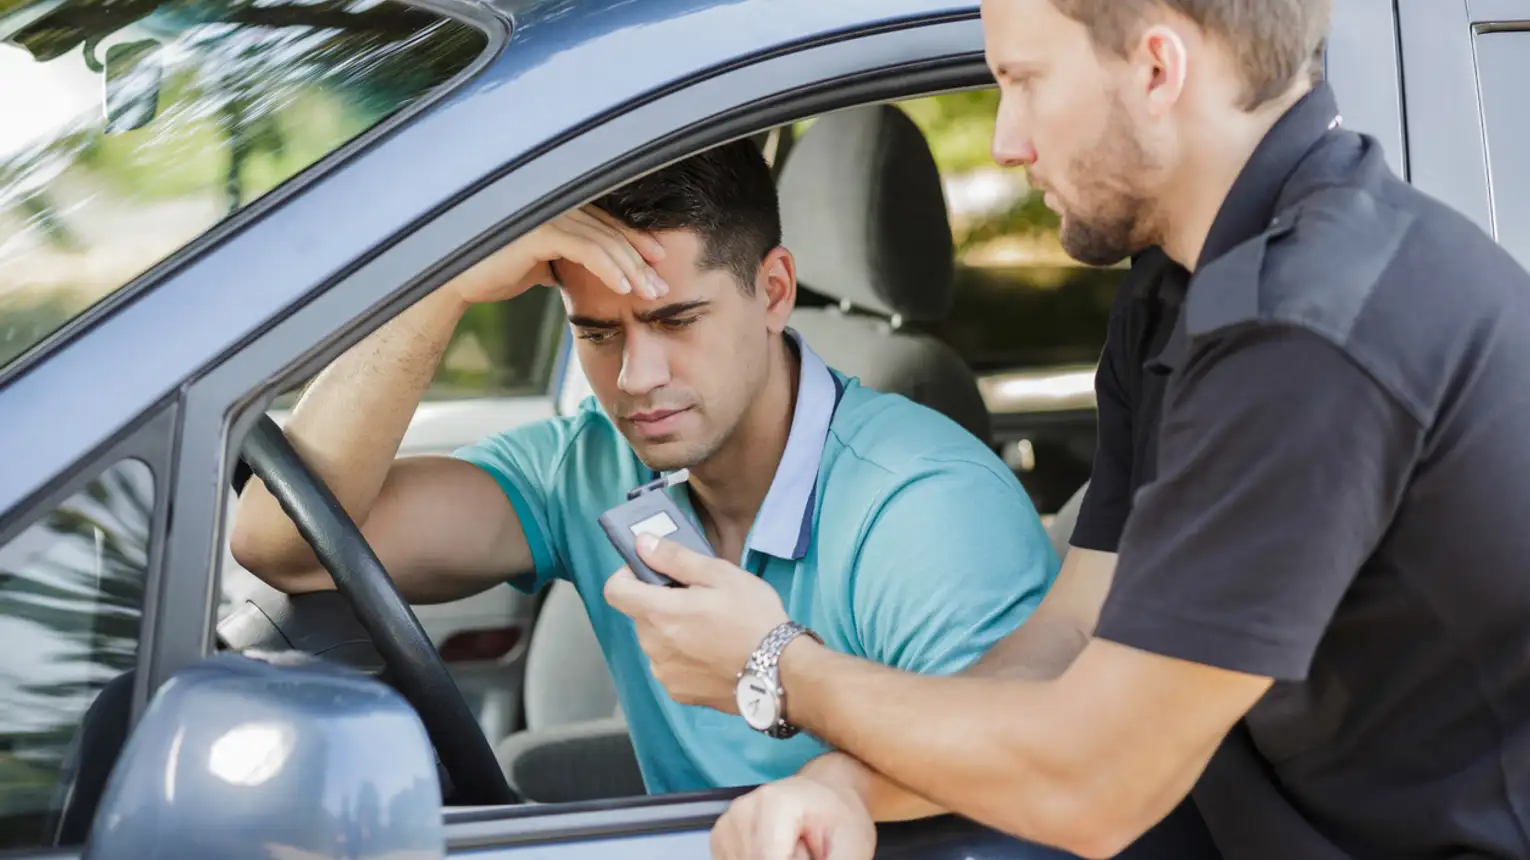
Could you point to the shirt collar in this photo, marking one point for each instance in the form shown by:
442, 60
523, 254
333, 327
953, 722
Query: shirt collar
785, 521
1154, 276
1251, 203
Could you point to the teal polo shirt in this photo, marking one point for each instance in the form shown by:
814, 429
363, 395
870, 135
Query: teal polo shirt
888, 529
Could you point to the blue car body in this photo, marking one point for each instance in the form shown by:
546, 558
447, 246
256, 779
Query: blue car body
572, 97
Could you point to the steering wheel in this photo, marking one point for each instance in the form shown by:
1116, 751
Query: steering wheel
417, 670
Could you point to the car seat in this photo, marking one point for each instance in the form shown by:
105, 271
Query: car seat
863, 212
575, 745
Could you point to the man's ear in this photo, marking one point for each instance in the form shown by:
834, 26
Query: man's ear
777, 282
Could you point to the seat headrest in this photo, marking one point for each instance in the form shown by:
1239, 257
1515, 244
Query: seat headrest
864, 214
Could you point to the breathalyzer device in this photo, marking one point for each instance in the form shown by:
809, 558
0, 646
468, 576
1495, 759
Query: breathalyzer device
650, 510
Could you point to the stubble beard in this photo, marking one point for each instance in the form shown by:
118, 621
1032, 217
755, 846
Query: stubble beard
1112, 220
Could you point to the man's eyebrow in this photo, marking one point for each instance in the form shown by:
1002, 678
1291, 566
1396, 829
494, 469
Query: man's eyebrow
658, 314
671, 311
591, 322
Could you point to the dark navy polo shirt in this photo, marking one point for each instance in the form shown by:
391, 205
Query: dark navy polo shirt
1128, 398
1339, 479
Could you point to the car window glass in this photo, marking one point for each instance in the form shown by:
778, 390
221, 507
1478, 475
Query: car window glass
1021, 302
1504, 64
128, 129
500, 349
71, 602
1029, 320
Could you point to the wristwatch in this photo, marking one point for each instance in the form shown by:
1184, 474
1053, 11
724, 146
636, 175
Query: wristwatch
761, 698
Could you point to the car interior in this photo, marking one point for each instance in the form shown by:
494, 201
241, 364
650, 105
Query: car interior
865, 215
863, 212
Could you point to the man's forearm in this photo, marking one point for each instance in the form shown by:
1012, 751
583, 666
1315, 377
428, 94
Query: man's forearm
348, 426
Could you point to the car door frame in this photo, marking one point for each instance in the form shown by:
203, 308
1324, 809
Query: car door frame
883, 64
1447, 139
149, 440
1450, 149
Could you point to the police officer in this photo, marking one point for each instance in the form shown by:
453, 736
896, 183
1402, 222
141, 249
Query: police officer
1319, 617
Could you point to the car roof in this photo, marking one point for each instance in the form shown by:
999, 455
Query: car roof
567, 64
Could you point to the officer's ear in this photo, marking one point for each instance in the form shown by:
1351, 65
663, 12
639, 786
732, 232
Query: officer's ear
1163, 60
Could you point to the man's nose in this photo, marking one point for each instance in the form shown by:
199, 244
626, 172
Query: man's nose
645, 367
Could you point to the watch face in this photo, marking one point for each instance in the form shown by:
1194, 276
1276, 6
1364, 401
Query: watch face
757, 702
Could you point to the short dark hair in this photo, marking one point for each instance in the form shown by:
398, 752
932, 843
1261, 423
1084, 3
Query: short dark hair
1273, 40
726, 194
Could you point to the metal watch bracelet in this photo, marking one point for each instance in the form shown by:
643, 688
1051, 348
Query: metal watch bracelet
766, 662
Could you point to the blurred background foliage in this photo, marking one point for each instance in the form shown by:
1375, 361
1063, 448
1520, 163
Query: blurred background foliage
250, 93
1021, 301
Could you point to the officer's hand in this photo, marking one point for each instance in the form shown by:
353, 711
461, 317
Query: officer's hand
615, 253
697, 638
798, 817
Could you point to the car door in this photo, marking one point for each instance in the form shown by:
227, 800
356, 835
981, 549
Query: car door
875, 59
1464, 65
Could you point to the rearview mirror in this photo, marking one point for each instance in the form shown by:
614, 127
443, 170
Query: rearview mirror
131, 85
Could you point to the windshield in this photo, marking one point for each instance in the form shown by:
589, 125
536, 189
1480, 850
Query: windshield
128, 128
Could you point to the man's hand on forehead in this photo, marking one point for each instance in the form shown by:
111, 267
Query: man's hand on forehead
618, 256
621, 257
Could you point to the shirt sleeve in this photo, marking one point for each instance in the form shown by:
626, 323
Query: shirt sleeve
524, 461
950, 563
1106, 504
1280, 465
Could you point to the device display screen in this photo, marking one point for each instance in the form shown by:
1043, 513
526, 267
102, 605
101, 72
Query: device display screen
658, 525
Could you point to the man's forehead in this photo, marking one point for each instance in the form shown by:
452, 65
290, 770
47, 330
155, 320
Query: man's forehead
586, 295
682, 253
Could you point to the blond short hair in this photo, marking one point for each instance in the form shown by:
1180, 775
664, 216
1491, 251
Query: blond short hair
1275, 42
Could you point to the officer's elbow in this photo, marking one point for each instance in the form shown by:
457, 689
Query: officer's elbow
1078, 809
1084, 827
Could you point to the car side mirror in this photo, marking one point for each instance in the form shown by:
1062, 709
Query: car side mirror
131, 85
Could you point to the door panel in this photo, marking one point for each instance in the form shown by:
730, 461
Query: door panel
1446, 153
581, 838
1503, 59
1362, 69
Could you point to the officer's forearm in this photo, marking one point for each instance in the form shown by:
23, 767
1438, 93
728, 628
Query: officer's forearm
1050, 640
1041, 649
961, 742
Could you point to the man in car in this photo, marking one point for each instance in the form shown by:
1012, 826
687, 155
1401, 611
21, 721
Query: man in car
837, 499
1318, 617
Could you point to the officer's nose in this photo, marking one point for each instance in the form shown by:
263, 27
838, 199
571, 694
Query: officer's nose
1012, 145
